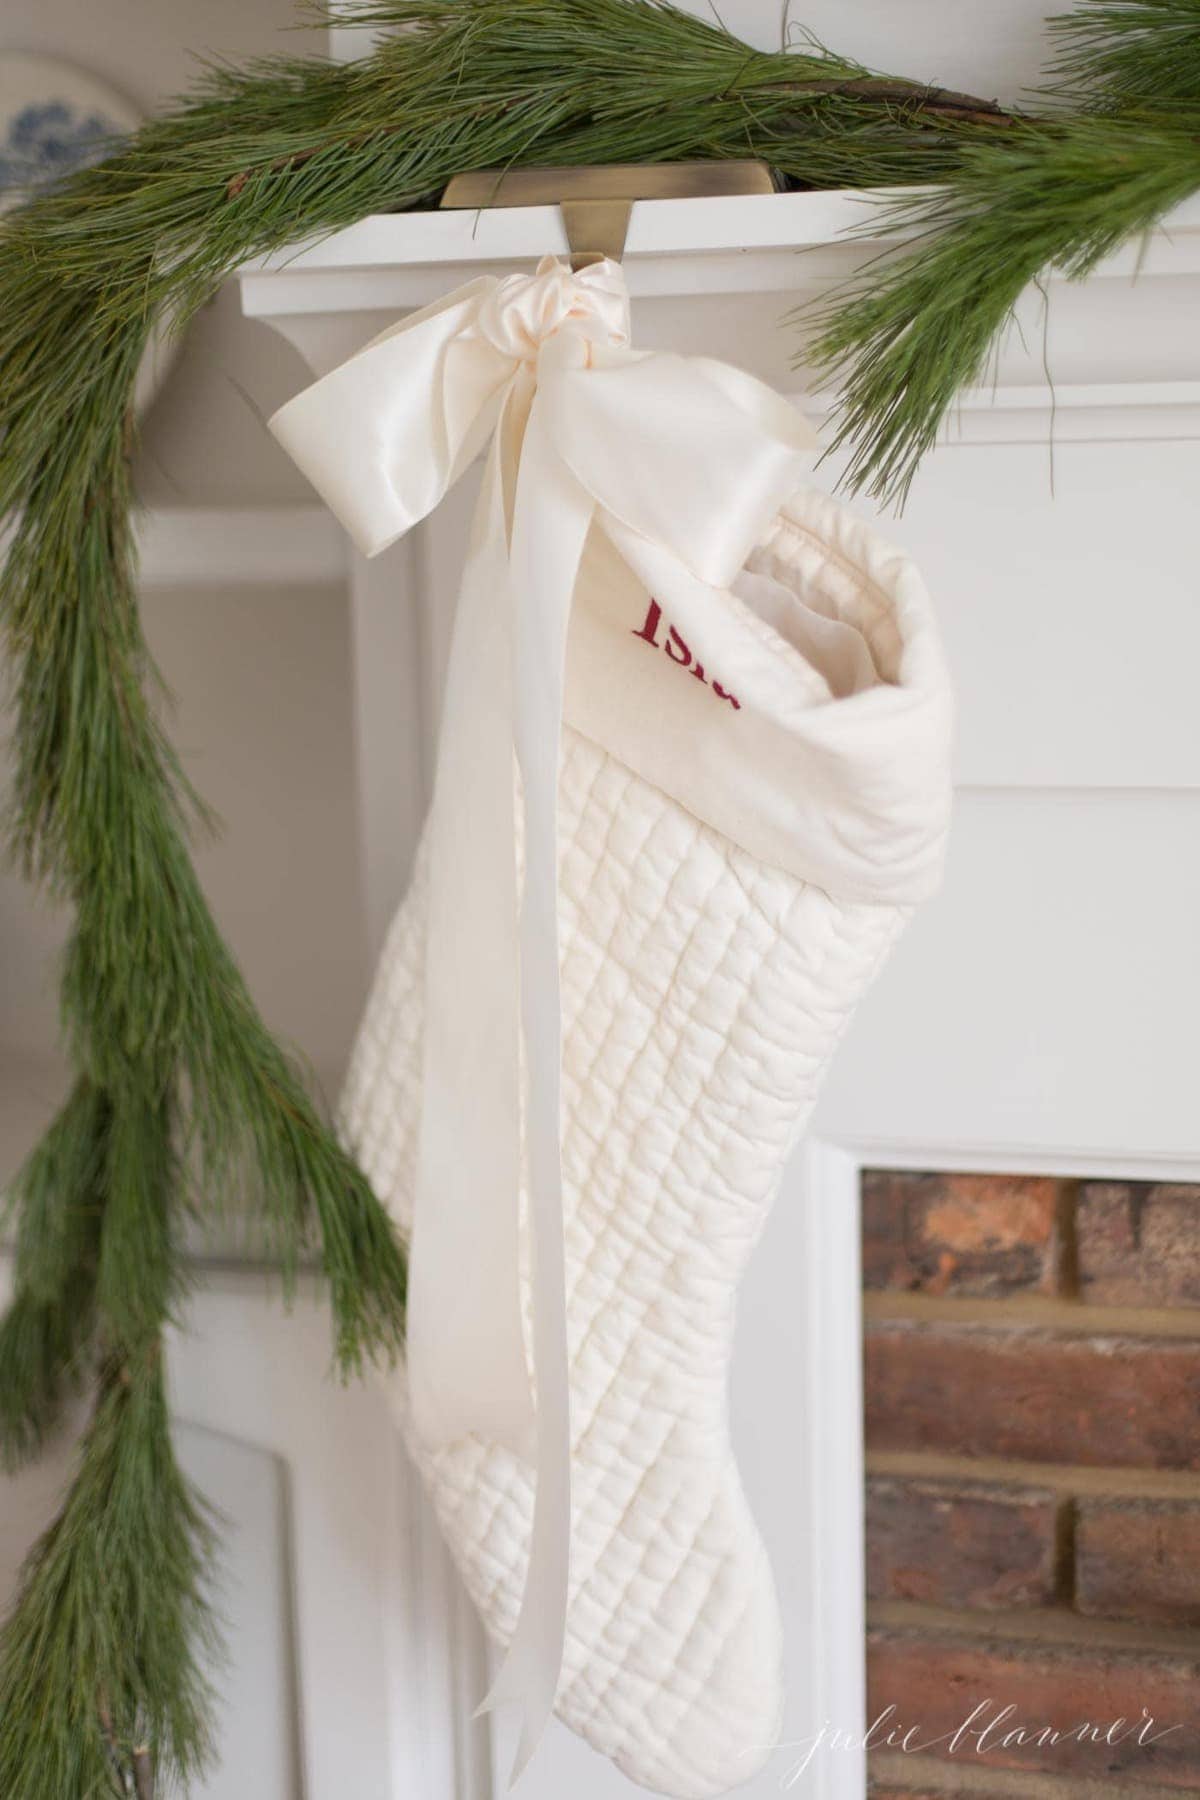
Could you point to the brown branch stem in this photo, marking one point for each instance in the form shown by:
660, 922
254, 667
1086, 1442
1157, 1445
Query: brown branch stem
946, 102
143, 1773
889, 92
297, 159
116, 1760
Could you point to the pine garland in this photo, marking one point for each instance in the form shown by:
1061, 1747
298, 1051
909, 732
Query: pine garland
183, 1103
1059, 192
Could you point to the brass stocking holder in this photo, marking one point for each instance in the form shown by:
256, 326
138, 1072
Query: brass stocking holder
596, 201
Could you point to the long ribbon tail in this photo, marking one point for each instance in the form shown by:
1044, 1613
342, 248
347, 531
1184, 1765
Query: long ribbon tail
466, 1354
550, 525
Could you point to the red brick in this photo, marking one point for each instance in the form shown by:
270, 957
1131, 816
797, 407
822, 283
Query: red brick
959, 1234
960, 1543
1024, 1392
936, 1680
1138, 1559
1138, 1244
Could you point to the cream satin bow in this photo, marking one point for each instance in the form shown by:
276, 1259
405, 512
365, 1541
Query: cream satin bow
695, 457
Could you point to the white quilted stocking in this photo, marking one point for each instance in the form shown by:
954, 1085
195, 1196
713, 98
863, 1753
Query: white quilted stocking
703, 990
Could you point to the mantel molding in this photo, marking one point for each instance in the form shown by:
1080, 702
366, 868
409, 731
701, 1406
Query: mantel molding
723, 274
725, 243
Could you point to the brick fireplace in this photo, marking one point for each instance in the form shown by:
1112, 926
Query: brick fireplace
1032, 1399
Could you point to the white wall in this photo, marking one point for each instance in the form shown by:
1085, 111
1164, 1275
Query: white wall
201, 443
993, 48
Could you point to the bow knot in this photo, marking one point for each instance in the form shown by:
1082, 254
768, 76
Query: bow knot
521, 312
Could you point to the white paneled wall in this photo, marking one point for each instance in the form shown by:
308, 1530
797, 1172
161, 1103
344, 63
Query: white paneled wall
1038, 1012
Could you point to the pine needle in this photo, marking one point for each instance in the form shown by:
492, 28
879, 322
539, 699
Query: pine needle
1122, 55
46, 1334
102, 1659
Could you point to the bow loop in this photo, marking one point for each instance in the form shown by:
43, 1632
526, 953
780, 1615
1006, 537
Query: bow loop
384, 436
688, 453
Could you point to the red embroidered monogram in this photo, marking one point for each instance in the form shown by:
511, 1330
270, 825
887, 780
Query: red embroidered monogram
677, 650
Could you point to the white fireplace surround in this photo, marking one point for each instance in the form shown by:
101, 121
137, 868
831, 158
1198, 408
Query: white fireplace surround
1036, 1018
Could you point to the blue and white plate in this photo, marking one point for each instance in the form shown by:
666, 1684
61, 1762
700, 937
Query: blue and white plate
53, 118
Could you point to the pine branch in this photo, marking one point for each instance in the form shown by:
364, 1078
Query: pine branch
1128, 55
1056, 195
47, 1332
908, 340
102, 1655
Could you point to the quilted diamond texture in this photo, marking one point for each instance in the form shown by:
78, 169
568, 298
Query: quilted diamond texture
702, 996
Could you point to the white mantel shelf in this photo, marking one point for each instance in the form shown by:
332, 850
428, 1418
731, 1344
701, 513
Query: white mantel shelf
728, 244
721, 276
